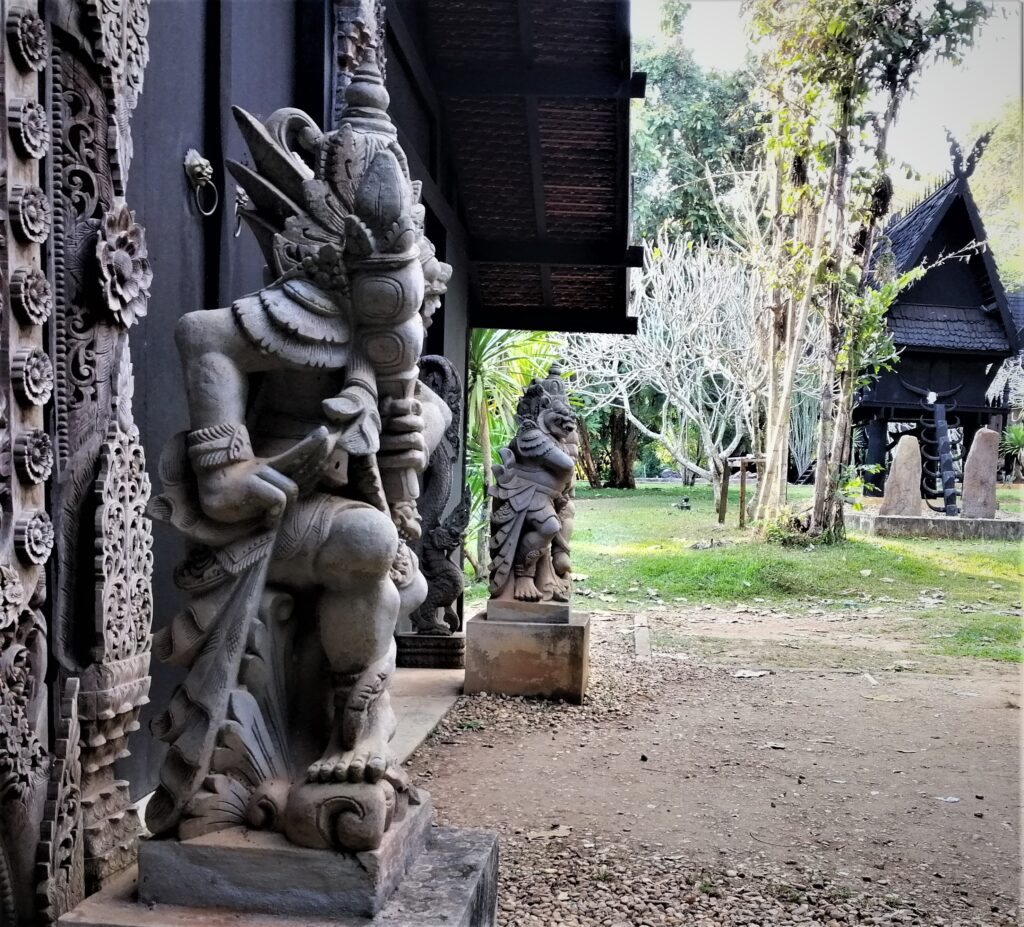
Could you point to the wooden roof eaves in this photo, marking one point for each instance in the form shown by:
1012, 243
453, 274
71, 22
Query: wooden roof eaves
1009, 324
550, 319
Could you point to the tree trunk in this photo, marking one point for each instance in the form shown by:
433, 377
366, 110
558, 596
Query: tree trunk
622, 448
587, 461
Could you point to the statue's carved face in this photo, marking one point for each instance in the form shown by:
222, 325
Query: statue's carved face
436, 275
559, 421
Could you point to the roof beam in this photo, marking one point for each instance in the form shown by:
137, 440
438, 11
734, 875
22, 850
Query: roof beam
522, 79
595, 254
549, 319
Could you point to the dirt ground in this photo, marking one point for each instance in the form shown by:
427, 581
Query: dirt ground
845, 785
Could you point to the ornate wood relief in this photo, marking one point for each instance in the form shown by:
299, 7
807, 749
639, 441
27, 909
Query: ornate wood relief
358, 25
102, 606
35, 785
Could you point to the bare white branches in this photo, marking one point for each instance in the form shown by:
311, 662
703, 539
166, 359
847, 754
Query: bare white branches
696, 348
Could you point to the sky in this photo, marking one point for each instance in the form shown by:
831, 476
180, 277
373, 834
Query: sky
947, 95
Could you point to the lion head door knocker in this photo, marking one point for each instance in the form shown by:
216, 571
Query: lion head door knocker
200, 176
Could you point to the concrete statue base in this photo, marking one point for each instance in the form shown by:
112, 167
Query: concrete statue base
522, 657
541, 612
452, 883
260, 871
431, 651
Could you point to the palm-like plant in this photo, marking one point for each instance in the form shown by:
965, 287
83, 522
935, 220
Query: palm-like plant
501, 364
1012, 444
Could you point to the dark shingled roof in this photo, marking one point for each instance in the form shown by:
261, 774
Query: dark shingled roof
963, 328
908, 234
987, 326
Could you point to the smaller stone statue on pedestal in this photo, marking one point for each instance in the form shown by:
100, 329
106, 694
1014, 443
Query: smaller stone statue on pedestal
532, 512
528, 642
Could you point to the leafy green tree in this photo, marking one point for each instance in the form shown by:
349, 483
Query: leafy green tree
833, 76
999, 192
692, 122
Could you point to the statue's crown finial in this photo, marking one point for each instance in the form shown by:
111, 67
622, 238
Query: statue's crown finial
366, 98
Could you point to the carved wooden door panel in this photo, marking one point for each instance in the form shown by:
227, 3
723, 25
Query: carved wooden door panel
205, 56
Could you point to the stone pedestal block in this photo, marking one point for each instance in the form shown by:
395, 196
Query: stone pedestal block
528, 658
431, 651
545, 612
260, 871
453, 883
979, 499
903, 487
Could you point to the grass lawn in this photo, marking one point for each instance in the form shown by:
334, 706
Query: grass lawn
632, 547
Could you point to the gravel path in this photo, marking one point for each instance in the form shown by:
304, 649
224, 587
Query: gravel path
681, 795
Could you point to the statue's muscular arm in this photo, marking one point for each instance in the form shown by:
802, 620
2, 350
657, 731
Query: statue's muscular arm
218, 361
538, 448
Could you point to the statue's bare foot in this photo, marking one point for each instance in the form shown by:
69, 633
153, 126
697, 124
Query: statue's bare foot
526, 590
367, 761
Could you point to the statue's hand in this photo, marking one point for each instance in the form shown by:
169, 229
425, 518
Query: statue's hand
244, 490
264, 486
402, 432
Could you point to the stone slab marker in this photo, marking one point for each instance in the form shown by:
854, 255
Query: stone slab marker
979, 498
903, 487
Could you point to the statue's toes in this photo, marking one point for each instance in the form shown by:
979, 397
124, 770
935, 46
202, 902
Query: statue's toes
313, 773
376, 768
356, 769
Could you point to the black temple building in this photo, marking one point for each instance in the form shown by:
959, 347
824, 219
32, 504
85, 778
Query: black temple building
953, 327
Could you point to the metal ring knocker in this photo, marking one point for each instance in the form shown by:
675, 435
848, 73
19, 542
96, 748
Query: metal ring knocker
200, 175
241, 202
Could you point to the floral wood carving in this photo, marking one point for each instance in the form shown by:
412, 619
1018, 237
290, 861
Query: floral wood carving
29, 128
33, 537
31, 296
31, 216
124, 271
29, 40
119, 30
124, 541
32, 376
33, 456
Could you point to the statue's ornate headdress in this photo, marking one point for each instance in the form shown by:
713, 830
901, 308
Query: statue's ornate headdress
321, 201
541, 395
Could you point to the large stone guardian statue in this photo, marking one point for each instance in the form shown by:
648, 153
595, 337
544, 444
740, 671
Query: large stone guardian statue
296, 489
528, 641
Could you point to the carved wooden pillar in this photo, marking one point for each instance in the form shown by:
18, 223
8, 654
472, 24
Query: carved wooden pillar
75, 557
102, 598
40, 843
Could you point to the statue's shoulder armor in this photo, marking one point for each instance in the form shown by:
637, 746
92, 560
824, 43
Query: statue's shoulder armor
297, 322
533, 442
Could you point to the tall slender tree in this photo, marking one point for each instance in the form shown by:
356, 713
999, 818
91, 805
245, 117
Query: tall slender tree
834, 74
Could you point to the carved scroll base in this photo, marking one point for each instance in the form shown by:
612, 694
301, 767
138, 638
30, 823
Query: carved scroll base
454, 880
262, 872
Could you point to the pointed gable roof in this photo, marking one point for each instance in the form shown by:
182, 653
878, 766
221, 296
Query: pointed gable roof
914, 324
